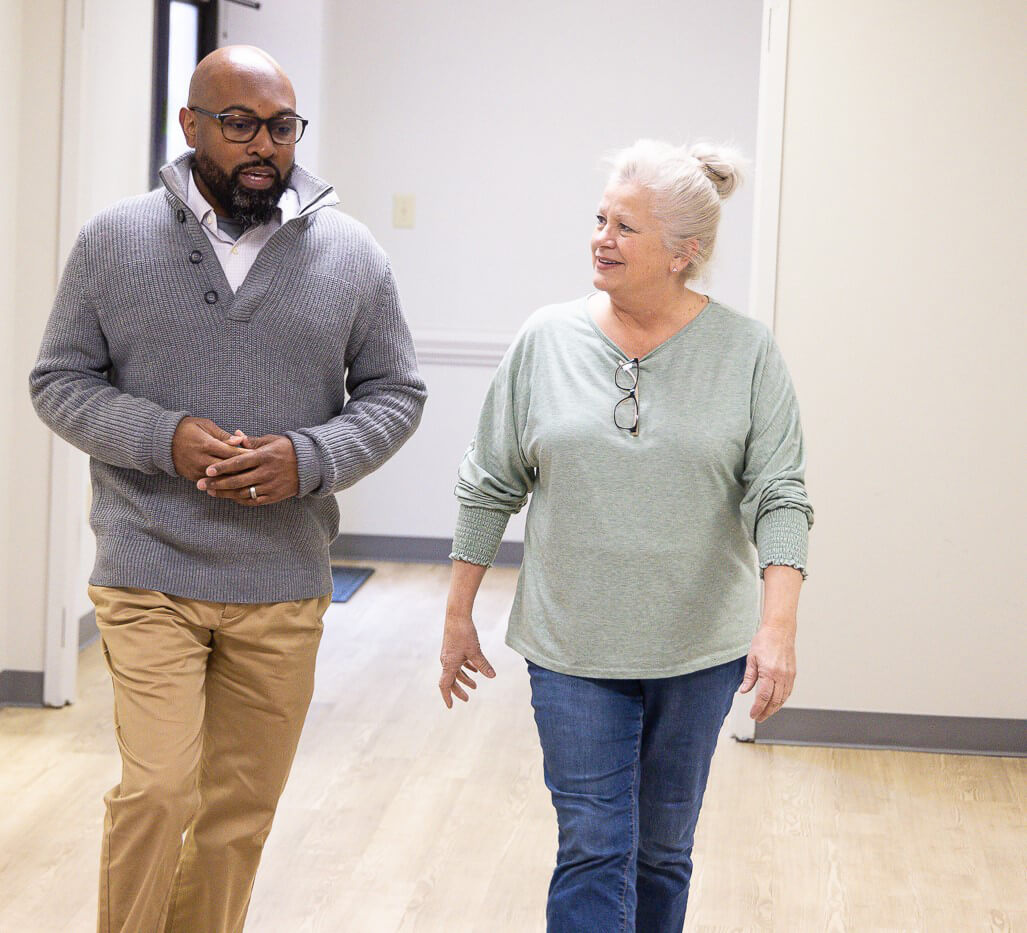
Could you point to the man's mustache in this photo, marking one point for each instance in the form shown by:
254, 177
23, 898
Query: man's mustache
239, 169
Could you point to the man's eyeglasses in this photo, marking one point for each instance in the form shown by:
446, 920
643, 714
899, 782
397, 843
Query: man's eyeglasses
625, 412
242, 127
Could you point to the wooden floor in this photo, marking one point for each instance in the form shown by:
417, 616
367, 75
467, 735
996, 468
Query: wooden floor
403, 816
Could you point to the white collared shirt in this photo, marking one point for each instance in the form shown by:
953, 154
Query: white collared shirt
237, 256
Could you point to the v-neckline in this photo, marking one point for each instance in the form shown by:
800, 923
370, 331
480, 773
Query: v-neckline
609, 341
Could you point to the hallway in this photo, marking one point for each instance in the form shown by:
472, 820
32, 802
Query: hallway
400, 815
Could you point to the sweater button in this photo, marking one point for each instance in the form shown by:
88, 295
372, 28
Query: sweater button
195, 256
181, 216
211, 297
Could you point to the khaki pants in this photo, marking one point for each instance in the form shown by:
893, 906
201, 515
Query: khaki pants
209, 701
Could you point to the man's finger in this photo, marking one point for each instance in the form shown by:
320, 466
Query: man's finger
211, 447
243, 497
212, 429
255, 443
238, 463
464, 679
260, 500
234, 481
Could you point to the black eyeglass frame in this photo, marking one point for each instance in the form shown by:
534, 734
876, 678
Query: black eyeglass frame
260, 122
632, 391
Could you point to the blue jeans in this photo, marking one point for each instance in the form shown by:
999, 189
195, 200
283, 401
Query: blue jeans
626, 762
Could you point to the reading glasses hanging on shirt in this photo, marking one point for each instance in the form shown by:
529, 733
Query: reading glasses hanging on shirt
625, 412
243, 127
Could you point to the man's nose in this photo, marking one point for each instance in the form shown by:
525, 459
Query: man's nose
262, 144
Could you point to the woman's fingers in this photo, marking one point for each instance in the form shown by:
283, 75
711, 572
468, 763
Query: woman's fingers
461, 656
775, 688
771, 694
764, 694
454, 674
481, 665
751, 673
445, 688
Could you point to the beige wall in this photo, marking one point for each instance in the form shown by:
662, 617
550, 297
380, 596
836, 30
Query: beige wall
497, 124
900, 312
10, 68
32, 53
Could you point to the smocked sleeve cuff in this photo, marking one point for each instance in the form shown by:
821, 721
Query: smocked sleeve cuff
308, 467
478, 534
782, 538
162, 440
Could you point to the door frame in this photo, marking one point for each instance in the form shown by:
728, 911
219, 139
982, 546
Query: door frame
765, 223
66, 463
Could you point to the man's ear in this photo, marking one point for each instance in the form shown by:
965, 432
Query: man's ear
187, 120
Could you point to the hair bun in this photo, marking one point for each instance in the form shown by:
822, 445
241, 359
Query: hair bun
722, 165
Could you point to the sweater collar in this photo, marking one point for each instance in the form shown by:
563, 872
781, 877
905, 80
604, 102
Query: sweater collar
313, 192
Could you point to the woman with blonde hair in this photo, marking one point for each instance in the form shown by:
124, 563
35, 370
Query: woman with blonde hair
657, 434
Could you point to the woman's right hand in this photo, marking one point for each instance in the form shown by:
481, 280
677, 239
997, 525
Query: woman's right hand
461, 652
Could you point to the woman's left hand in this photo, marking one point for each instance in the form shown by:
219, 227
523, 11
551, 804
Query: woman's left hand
770, 667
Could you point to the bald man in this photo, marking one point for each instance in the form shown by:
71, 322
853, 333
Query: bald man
230, 352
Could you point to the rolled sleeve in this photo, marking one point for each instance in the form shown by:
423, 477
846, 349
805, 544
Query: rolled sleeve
478, 534
782, 538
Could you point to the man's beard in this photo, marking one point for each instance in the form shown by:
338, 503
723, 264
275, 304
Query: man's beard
244, 205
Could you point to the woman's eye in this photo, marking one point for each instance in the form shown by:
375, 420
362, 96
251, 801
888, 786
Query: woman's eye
626, 228
600, 220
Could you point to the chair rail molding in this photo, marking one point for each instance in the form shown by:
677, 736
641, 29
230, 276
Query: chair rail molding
460, 348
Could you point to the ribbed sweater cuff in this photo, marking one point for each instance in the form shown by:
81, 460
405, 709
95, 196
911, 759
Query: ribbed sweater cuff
478, 534
162, 439
782, 537
307, 464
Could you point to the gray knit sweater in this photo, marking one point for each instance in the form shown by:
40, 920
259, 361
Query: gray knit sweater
146, 330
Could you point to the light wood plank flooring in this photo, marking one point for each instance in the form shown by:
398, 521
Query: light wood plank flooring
403, 816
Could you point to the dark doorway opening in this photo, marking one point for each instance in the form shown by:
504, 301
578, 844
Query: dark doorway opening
184, 31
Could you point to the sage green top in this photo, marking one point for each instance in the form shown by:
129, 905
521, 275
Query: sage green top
639, 557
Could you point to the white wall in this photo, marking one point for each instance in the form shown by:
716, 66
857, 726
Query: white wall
47, 209
495, 119
31, 54
290, 31
900, 312
102, 173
